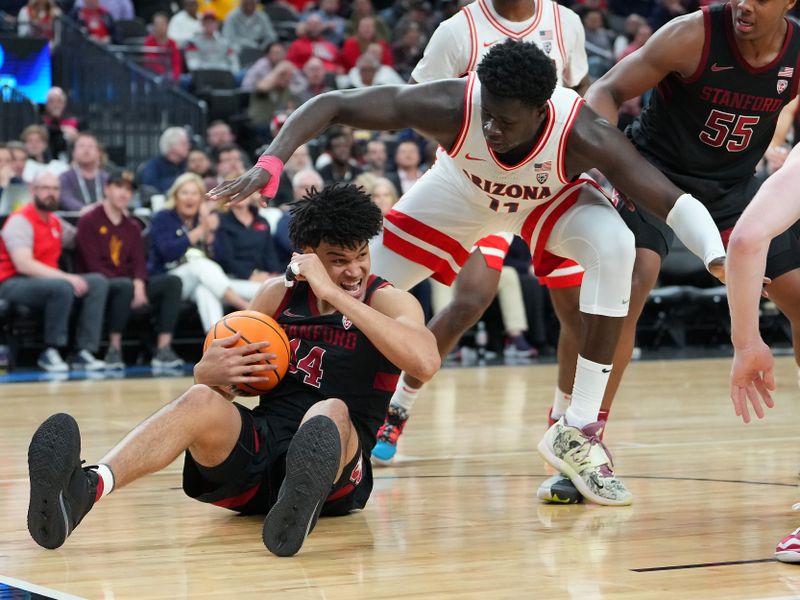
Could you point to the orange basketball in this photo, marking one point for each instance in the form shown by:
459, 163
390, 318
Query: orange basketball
255, 327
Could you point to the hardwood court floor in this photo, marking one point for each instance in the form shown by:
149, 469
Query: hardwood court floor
457, 517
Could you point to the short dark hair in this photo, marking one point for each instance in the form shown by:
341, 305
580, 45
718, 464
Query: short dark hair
340, 214
520, 71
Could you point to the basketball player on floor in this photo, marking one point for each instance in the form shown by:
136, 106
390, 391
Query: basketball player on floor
304, 451
454, 50
722, 76
773, 211
501, 128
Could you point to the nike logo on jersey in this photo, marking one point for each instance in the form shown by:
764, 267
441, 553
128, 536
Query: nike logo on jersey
715, 68
469, 157
289, 313
487, 44
606, 370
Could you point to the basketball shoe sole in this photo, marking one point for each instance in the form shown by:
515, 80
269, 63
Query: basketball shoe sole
53, 459
311, 464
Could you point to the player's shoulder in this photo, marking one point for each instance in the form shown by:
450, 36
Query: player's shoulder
446, 93
567, 16
391, 300
270, 295
685, 28
454, 24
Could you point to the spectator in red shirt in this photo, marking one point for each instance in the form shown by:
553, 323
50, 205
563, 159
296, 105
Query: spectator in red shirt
110, 243
30, 248
355, 46
37, 19
168, 60
95, 19
310, 43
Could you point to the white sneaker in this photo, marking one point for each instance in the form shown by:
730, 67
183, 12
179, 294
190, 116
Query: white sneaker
581, 455
50, 360
84, 360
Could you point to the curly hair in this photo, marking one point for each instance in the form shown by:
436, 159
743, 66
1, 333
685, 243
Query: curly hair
518, 70
339, 214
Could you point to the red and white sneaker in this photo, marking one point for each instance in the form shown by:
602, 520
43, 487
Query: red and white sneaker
788, 549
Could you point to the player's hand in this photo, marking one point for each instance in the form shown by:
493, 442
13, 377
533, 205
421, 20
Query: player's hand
717, 268
224, 364
241, 188
308, 267
752, 379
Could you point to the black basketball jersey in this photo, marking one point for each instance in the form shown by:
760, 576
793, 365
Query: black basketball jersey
708, 132
331, 358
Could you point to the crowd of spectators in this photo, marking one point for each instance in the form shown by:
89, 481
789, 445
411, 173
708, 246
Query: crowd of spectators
183, 249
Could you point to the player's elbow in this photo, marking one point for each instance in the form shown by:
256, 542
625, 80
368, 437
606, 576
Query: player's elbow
426, 360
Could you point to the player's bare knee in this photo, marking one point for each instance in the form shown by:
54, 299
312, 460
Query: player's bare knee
466, 308
201, 401
333, 408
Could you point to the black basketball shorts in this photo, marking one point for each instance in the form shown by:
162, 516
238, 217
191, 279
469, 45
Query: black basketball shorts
652, 233
248, 480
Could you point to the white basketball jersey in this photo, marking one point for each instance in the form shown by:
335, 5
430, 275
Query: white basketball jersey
460, 42
537, 178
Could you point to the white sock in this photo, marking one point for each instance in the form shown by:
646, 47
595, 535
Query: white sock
404, 395
591, 379
107, 477
560, 403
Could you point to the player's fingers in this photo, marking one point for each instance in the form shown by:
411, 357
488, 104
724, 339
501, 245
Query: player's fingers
769, 379
762, 390
741, 404
227, 342
249, 379
222, 189
242, 193
755, 401
258, 365
735, 400
253, 347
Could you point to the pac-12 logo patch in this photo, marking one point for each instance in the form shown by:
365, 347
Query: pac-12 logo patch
346, 323
358, 471
782, 85
541, 177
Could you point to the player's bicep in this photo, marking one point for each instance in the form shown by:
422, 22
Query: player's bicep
428, 108
677, 47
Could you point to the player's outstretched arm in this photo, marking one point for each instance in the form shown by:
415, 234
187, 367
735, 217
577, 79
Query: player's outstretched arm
595, 143
434, 109
676, 47
774, 209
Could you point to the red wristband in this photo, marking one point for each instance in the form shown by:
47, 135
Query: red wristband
274, 166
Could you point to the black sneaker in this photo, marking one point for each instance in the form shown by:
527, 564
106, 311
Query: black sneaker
311, 464
166, 358
62, 492
558, 489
